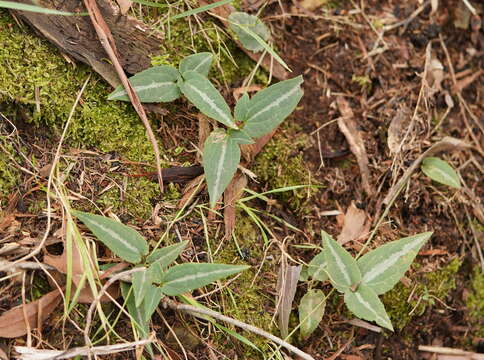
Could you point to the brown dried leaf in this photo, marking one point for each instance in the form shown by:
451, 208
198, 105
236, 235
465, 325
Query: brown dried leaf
396, 130
124, 6
60, 262
312, 4
286, 289
191, 190
249, 152
347, 126
355, 224
86, 296
12, 322
232, 193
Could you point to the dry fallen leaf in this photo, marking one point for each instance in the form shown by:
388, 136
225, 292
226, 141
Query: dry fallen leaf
60, 262
286, 289
312, 4
12, 322
397, 128
124, 6
347, 126
355, 224
231, 195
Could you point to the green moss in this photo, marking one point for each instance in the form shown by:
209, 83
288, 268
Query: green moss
9, 175
245, 302
281, 164
427, 288
475, 301
28, 63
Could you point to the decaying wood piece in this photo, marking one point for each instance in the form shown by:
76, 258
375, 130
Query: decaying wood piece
76, 36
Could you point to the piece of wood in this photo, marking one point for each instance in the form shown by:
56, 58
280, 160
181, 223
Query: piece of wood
76, 36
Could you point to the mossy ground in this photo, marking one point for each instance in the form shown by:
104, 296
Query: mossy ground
426, 290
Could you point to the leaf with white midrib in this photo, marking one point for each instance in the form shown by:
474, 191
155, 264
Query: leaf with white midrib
317, 268
269, 107
341, 266
221, 156
365, 304
201, 93
383, 267
141, 284
122, 240
186, 277
199, 63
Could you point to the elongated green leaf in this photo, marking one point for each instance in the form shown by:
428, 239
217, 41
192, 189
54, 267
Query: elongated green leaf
241, 108
269, 107
141, 284
125, 242
33, 8
341, 266
151, 301
383, 267
156, 84
199, 63
317, 267
240, 137
201, 9
166, 255
186, 277
138, 321
440, 171
311, 311
221, 156
245, 25
201, 93
365, 304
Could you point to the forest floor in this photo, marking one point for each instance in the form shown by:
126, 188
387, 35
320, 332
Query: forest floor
408, 74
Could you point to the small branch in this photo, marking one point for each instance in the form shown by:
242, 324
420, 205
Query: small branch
28, 353
195, 311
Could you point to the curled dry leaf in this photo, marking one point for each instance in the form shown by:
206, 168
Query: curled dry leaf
347, 126
13, 324
355, 225
286, 289
231, 195
60, 262
124, 5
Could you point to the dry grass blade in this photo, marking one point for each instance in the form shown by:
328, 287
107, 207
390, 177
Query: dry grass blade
450, 353
355, 225
107, 41
286, 289
348, 127
27, 353
13, 324
231, 195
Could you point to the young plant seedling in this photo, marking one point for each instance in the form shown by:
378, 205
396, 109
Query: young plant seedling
159, 276
359, 280
253, 117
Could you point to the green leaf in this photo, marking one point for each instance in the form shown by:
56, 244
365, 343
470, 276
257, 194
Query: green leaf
141, 284
365, 304
241, 108
34, 8
311, 311
240, 137
182, 278
166, 255
199, 63
317, 267
138, 321
269, 107
341, 266
441, 172
151, 301
244, 26
201, 9
125, 242
383, 267
156, 84
201, 93
221, 156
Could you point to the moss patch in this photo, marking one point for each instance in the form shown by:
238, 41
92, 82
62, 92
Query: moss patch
29, 64
281, 164
437, 284
475, 301
9, 175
